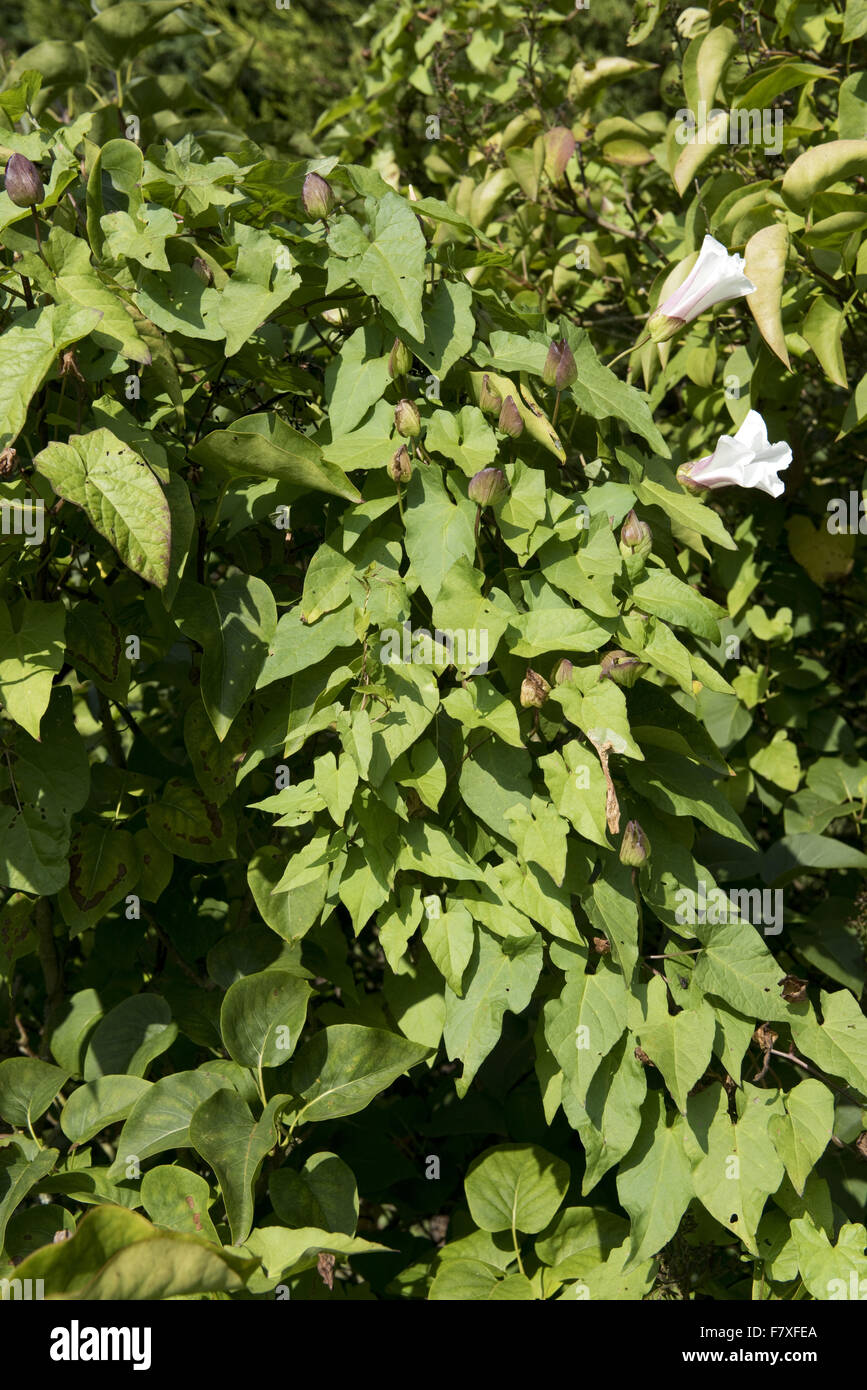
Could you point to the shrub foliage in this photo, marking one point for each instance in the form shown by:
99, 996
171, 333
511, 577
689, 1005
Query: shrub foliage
430, 831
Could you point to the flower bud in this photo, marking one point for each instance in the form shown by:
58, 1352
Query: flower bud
634, 847
559, 370
23, 184
203, 270
622, 668
636, 537
510, 421
661, 327
400, 466
488, 487
317, 197
490, 401
399, 360
684, 477
407, 420
534, 690
563, 673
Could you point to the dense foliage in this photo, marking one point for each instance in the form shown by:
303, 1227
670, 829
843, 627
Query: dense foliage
431, 854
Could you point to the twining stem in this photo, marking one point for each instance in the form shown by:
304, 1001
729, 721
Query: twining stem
38, 233
627, 351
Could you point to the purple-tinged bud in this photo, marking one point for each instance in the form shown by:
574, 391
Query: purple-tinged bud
634, 847
203, 270
534, 690
563, 673
317, 197
559, 370
622, 668
490, 401
407, 420
510, 421
400, 466
399, 360
636, 537
488, 487
23, 184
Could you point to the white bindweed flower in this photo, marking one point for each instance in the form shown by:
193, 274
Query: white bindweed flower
745, 459
716, 276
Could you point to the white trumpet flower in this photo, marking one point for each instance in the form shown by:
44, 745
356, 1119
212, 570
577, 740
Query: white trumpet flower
716, 276
745, 459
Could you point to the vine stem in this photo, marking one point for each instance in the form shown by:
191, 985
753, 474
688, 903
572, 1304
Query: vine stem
627, 351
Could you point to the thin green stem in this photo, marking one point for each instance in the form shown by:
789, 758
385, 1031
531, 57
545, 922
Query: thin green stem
627, 351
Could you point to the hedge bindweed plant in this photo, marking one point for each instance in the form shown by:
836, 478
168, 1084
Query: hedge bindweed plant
432, 758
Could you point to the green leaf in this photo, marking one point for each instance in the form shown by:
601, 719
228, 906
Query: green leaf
438, 532
448, 331
223, 1131
823, 329
160, 1118
262, 1017
602, 395
77, 284
121, 31
340, 1070
680, 604
263, 279
32, 645
234, 624
680, 1046
130, 1037
326, 583
177, 1199
831, 1271
515, 1187
830, 162
765, 257
191, 826
654, 1183
118, 1255
19, 1172
585, 1023
839, 1044
120, 495
802, 1135
392, 267
283, 1253
322, 1194
27, 1088
356, 379
29, 349
736, 1165
736, 965
449, 938
103, 868
96, 1105
264, 446
501, 976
